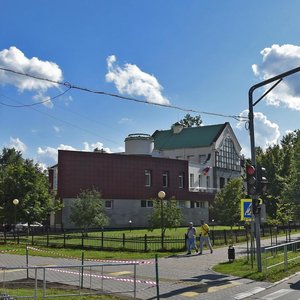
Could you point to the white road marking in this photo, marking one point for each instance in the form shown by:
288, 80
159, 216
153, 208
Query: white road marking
249, 293
277, 294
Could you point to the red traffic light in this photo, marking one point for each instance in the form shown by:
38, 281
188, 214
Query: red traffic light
250, 170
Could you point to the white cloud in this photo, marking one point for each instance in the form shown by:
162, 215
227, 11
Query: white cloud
124, 121
43, 167
52, 153
131, 80
266, 132
17, 144
14, 59
56, 129
91, 147
288, 131
40, 97
276, 60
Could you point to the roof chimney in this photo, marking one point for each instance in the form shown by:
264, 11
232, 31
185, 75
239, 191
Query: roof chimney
177, 127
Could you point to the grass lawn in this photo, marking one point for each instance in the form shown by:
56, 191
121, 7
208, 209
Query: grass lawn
77, 253
56, 292
243, 268
132, 240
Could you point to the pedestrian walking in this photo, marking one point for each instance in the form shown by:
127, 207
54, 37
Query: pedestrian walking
191, 238
204, 237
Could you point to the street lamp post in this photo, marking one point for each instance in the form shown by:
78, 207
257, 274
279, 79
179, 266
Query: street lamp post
277, 78
161, 196
130, 223
15, 203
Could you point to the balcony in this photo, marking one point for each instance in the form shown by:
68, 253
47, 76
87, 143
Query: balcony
202, 189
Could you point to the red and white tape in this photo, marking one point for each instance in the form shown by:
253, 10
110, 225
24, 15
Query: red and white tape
12, 250
140, 262
152, 283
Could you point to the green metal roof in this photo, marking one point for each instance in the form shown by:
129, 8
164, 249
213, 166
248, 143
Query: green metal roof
191, 137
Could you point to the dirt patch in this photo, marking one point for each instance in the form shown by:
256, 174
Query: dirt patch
30, 283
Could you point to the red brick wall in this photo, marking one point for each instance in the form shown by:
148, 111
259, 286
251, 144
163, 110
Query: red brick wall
119, 176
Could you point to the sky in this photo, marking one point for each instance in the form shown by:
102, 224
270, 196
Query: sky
171, 56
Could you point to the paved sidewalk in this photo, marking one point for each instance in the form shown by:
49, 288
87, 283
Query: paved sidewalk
181, 276
191, 277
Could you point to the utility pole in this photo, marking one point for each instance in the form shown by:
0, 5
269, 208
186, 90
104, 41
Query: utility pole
277, 78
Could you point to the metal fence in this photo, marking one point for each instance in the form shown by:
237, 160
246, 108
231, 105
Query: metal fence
116, 241
38, 282
281, 256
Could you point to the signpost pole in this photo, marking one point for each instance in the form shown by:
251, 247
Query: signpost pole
277, 78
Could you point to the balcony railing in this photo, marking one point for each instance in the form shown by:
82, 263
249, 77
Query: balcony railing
202, 189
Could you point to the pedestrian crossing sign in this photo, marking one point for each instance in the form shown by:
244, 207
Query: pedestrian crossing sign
246, 209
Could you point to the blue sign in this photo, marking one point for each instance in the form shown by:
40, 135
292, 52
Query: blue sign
246, 209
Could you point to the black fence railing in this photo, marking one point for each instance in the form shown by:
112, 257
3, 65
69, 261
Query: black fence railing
113, 241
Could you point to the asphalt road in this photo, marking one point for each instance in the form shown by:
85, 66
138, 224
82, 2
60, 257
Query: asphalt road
180, 277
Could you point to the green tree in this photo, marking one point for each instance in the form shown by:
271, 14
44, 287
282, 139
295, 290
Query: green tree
189, 121
226, 206
88, 210
282, 164
23, 179
166, 213
285, 211
292, 191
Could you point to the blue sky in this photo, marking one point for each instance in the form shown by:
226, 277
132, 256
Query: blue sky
200, 55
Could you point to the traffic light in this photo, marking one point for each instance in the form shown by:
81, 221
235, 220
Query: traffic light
251, 180
256, 207
262, 181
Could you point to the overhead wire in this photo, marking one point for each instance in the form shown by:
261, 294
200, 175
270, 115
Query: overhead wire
60, 120
36, 103
71, 86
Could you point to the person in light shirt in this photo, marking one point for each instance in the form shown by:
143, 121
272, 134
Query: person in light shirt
191, 237
204, 237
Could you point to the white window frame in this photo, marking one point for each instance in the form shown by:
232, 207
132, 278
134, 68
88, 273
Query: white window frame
149, 203
165, 179
192, 180
208, 182
181, 180
110, 204
148, 178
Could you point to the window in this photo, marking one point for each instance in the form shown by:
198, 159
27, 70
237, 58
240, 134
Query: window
208, 182
191, 179
199, 180
165, 179
202, 158
181, 180
108, 204
222, 182
197, 204
181, 204
148, 178
146, 203
227, 157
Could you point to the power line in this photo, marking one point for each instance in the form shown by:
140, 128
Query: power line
37, 103
71, 86
60, 120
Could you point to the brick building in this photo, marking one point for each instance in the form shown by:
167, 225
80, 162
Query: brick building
190, 164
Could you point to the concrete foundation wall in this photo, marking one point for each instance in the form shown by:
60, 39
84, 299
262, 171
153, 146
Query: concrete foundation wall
125, 210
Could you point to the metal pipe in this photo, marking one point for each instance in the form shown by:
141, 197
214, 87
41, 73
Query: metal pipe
134, 282
252, 145
44, 283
